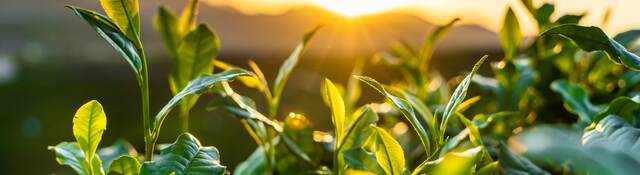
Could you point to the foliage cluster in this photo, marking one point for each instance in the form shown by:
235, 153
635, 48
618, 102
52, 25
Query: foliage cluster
549, 105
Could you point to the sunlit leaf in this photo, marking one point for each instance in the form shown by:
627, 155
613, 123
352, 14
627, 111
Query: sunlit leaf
185, 156
510, 35
124, 13
458, 95
188, 17
389, 153
110, 32
489, 169
453, 163
125, 165
337, 110
89, 123
405, 108
592, 39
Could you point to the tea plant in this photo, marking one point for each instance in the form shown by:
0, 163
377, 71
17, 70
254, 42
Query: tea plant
421, 127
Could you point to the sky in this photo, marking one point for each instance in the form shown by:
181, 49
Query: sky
486, 13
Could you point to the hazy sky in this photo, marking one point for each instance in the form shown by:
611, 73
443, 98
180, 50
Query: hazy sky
487, 13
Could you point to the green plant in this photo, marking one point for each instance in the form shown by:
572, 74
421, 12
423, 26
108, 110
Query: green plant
422, 127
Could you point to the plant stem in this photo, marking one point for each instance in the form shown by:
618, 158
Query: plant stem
184, 117
143, 82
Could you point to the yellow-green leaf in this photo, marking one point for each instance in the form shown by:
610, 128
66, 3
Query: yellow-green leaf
165, 22
337, 110
124, 13
89, 123
389, 153
125, 165
510, 35
188, 17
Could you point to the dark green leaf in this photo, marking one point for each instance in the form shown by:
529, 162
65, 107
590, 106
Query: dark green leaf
110, 32
627, 38
125, 165
576, 99
255, 164
511, 163
118, 149
592, 39
196, 86
70, 154
185, 156
622, 106
616, 134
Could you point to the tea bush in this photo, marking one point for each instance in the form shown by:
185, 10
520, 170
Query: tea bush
564, 103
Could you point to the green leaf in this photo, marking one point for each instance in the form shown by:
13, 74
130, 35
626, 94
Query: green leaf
196, 53
255, 164
118, 149
361, 159
622, 106
188, 17
510, 35
458, 96
124, 13
389, 153
511, 163
355, 138
337, 110
357, 134
70, 154
196, 86
616, 134
627, 38
405, 108
297, 130
114, 36
592, 39
287, 67
569, 19
125, 165
185, 156
429, 43
489, 169
165, 22
453, 163
423, 110
89, 123
576, 98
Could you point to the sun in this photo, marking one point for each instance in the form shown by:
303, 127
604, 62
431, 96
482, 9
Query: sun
352, 8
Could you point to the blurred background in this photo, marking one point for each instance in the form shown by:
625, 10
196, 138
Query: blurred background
51, 62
